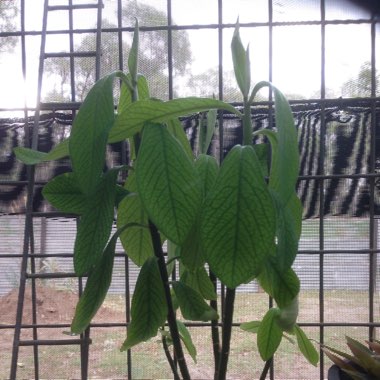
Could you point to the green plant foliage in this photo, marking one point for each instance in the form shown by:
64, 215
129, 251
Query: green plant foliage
238, 219
192, 305
136, 240
269, 334
167, 183
64, 194
363, 363
186, 338
230, 222
98, 283
149, 308
305, 346
95, 224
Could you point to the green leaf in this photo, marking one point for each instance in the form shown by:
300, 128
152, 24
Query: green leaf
262, 152
131, 120
269, 334
186, 338
282, 286
365, 356
136, 241
149, 308
252, 327
89, 134
133, 55
95, 224
285, 154
193, 306
126, 93
206, 131
96, 289
199, 280
191, 249
173, 252
288, 316
167, 183
64, 194
176, 129
208, 169
305, 346
32, 157
238, 219
240, 58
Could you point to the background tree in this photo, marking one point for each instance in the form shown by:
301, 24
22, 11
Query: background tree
8, 13
153, 60
360, 86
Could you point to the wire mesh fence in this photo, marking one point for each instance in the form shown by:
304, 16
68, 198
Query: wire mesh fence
322, 54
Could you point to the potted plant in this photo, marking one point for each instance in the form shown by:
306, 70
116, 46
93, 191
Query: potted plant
231, 221
362, 364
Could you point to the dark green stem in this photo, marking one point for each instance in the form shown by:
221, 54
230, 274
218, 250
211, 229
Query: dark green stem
170, 359
226, 334
247, 124
215, 327
266, 368
180, 357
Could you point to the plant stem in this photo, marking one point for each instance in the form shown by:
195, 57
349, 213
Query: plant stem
266, 368
156, 240
215, 328
170, 359
226, 335
247, 124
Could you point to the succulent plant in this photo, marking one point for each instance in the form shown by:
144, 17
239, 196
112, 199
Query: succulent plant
362, 364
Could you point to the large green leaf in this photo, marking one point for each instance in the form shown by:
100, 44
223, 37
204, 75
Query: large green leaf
238, 219
199, 280
269, 334
136, 241
149, 308
131, 120
305, 346
240, 59
89, 134
95, 224
32, 157
96, 289
64, 194
283, 286
193, 306
167, 183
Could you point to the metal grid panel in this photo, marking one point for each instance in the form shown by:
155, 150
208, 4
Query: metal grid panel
319, 252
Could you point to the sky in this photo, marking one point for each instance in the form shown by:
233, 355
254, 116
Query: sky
296, 50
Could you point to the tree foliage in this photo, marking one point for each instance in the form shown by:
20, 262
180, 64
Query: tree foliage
8, 13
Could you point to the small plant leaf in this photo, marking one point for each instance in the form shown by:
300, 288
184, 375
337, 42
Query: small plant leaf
282, 286
64, 194
364, 355
167, 183
238, 219
269, 334
306, 347
33, 157
149, 308
193, 306
176, 129
136, 241
252, 327
97, 286
240, 58
95, 224
89, 134
131, 120
199, 280
206, 131
186, 338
